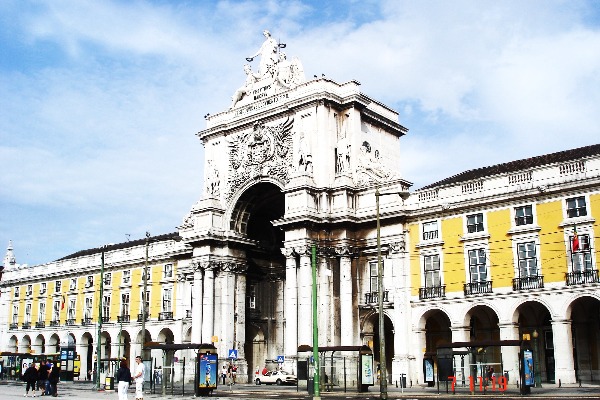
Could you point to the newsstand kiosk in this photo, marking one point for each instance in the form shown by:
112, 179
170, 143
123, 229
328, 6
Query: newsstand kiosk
207, 370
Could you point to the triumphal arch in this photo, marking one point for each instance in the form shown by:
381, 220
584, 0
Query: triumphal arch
294, 162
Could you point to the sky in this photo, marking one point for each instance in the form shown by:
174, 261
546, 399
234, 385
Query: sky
100, 101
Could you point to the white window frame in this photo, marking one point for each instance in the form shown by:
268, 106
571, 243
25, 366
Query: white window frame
72, 308
582, 259
428, 233
107, 279
435, 258
168, 270
17, 292
126, 277
524, 217
89, 281
148, 297
27, 317
42, 311
167, 300
29, 290
73, 284
57, 286
476, 253
578, 209
88, 311
476, 224
125, 305
106, 306
43, 288
15, 315
529, 244
56, 311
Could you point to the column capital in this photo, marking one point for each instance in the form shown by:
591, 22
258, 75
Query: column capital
345, 251
288, 252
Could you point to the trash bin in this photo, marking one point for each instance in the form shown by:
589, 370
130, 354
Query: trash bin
109, 383
311, 386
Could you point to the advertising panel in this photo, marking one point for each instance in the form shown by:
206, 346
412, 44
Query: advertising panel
208, 371
366, 367
528, 367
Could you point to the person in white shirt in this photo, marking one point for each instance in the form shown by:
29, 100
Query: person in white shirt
139, 378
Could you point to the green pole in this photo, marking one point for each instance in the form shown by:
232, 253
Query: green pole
99, 344
382, 361
317, 394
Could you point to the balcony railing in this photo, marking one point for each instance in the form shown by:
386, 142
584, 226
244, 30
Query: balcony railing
140, 317
26, 325
54, 323
373, 297
164, 316
529, 282
432, 292
14, 326
105, 319
582, 277
40, 324
188, 313
86, 321
70, 322
430, 235
477, 287
123, 318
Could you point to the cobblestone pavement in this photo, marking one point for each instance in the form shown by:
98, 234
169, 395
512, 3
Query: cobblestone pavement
84, 391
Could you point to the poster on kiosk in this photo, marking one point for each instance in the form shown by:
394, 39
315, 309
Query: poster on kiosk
208, 371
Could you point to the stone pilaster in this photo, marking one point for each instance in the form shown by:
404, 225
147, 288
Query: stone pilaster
510, 354
563, 354
291, 304
208, 305
197, 305
347, 313
304, 297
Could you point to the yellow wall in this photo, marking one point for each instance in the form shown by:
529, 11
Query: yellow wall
500, 255
453, 254
553, 252
415, 262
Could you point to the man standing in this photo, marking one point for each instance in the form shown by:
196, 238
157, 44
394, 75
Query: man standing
139, 378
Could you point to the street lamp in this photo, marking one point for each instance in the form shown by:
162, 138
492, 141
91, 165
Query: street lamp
382, 359
536, 364
145, 298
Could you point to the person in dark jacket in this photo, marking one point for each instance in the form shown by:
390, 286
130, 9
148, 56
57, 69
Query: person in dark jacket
42, 377
123, 380
54, 378
30, 377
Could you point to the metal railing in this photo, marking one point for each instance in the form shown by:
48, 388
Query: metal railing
70, 322
86, 321
26, 325
582, 277
14, 326
528, 282
141, 316
373, 297
477, 287
123, 318
164, 316
54, 323
105, 319
432, 292
40, 324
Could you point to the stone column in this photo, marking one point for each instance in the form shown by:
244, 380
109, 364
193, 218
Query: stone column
326, 325
400, 295
227, 319
563, 354
291, 304
416, 374
208, 305
510, 354
240, 323
304, 297
197, 303
346, 298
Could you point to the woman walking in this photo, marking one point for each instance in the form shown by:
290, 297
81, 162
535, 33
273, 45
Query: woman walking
30, 377
123, 380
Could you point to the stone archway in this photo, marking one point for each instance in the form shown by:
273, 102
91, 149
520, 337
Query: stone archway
53, 344
25, 344
39, 344
370, 332
124, 346
534, 319
585, 330
86, 354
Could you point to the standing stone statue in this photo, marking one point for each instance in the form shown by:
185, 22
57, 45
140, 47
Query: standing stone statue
268, 56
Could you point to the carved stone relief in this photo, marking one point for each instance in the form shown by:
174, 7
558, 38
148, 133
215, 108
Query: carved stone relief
264, 151
370, 168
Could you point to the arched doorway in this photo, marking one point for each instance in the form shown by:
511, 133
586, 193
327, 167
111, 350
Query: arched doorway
534, 319
124, 346
87, 354
483, 326
253, 217
166, 336
585, 329
53, 344
105, 343
25, 345
371, 334
39, 344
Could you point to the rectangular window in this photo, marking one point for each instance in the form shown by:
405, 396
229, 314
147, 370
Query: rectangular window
477, 266
166, 302
124, 303
430, 230
56, 311
252, 296
42, 312
43, 288
576, 207
107, 278
432, 270
17, 292
147, 306
168, 270
524, 215
374, 277
29, 290
27, 313
71, 310
73, 284
527, 259
87, 312
475, 223
90, 281
106, 307
57, 286
15, 316
581, 258
126, 277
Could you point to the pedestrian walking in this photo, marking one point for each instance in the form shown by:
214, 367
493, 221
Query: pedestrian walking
123, 380
47, 391
42, 378
30, 377
54, 378
223, 374
140, 370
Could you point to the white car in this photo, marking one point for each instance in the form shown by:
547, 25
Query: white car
277, 377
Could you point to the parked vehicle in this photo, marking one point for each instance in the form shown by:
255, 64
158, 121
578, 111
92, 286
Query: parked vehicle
276, 377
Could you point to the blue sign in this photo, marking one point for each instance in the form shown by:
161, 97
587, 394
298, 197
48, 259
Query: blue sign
280, 359
528, 368
233, 354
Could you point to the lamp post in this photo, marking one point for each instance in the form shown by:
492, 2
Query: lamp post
536, 364
382, 359
145, 298
316, 377
100, 298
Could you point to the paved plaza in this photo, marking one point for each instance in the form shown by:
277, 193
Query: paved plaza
14, 390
